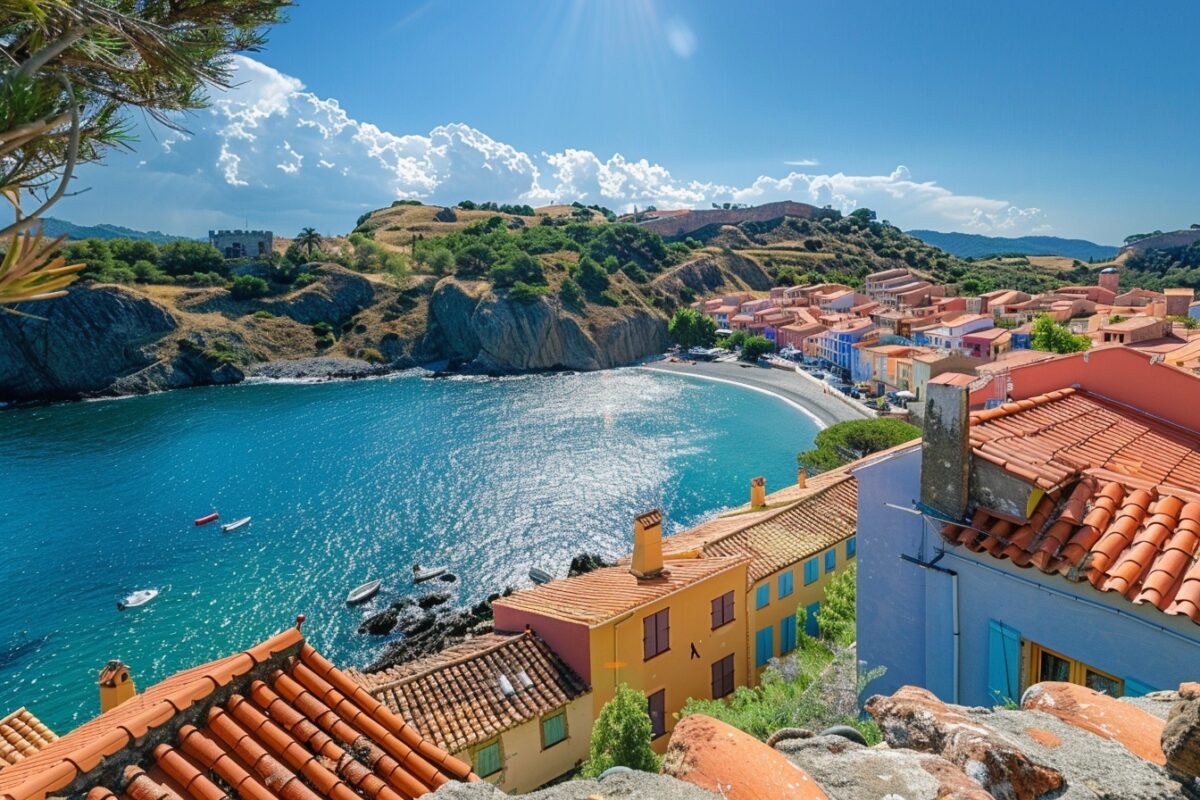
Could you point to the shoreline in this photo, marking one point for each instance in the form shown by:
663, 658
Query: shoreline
824, 409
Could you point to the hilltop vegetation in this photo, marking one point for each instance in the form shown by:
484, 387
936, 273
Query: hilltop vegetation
975, 245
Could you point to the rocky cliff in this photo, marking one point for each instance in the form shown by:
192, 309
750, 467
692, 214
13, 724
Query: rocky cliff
481, 331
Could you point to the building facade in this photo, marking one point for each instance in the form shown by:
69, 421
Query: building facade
243, 244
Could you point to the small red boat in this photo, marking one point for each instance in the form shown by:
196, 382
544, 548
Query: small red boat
207, 518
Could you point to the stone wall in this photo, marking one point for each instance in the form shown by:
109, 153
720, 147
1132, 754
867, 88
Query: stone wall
683, 224
239, 243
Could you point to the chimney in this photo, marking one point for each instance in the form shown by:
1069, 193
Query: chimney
115, 686
758, 492
647, 545
1110, 279
802, 478
945, 450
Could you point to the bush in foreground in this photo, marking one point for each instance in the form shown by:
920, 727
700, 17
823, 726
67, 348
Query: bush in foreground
621, 735
848, 441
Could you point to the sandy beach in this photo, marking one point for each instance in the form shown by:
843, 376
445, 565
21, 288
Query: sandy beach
806, 393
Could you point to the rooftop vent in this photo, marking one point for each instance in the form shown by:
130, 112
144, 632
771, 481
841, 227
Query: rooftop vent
524, 680
506, 686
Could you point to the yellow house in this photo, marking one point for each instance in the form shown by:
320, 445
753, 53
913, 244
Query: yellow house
674, 628
795, 540
506, 704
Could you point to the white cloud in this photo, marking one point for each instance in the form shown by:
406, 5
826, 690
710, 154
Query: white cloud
680, 38
246, 157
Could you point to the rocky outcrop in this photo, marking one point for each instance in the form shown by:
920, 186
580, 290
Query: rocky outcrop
716, 756
1139, 731
484, 332
1181, 742
707, 275
620, 786
914, 719
337, 296
81, 344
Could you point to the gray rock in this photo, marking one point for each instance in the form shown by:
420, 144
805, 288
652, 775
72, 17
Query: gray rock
1093, 768
336, 296
320, 367
629, 786
1181, 740
849, 771
82, 345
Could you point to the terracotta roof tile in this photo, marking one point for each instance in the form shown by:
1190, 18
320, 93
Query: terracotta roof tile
287, 724
454, 697
21, 735
605, 593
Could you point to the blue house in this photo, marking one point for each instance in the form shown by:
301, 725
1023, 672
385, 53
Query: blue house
1051, 539
836, 345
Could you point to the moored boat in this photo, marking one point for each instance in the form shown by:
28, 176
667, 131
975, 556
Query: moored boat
207, 518
137, 598
237, 523
540, 576
422, 575
363, 593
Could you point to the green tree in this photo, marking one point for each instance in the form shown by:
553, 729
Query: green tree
571, 294
836, 617
522, 268
689, 328
474, 260
755, 346
184, 257
848, 441
1050, 337
592, 277
439, 260
69, 73
244, 287
621, 735
308, 239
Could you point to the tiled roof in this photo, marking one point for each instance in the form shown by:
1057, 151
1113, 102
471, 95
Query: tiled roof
21, 735
597, 596
1122, 502
1137, 543
954, 379
274, 721
823, 514
455, 698
1051, 439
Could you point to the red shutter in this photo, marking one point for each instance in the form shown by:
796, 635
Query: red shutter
648, 634
728, 602
718, 612
727, 669
718, 673
664, 630
657, 706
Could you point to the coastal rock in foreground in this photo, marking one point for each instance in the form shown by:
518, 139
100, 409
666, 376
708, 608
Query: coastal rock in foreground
487, 333
81, 344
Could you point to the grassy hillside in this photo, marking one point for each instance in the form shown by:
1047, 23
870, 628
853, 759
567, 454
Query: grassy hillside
977, 246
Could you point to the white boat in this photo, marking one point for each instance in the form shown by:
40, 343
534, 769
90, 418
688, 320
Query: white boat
364, 593
540, 576
138, 598
237, 523
422, 575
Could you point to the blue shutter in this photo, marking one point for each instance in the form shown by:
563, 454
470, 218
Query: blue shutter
786, 584
1134, 688
762, 595
763, 646
487, 760
811, 571
1004, 663
830, 560
851, 547
787, 635
810, 621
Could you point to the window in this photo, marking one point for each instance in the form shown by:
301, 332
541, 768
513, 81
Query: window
656, 634
657, 708
554, 729
1047, 665
787, 635
722, 677
851, 546
811, 571
787, 584
764, 643
830, 561
722, 610
811, 627
487, 760
762, 596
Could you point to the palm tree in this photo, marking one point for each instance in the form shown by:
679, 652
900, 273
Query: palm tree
308, 239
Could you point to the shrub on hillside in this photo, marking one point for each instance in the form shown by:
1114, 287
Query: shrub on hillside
189, 258
689, 328
372, 355
527, 292
571, 294
754, 347
245, 287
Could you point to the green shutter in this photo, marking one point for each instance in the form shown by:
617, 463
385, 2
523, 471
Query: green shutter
554, 729
487, 760
1004, 663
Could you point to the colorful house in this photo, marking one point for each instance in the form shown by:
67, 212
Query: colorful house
504, 703
949, 334
836, 345
672, 628
987, 343
804, 537
275, 721
1051, 538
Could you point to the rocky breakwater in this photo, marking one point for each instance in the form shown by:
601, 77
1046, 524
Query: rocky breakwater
482, 331
81, 345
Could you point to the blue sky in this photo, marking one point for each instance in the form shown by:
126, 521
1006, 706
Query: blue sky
1065, 118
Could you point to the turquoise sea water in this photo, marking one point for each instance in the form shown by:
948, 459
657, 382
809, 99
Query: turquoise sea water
346, 482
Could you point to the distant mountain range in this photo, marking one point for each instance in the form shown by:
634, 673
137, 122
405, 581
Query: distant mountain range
974, 245
60, 227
